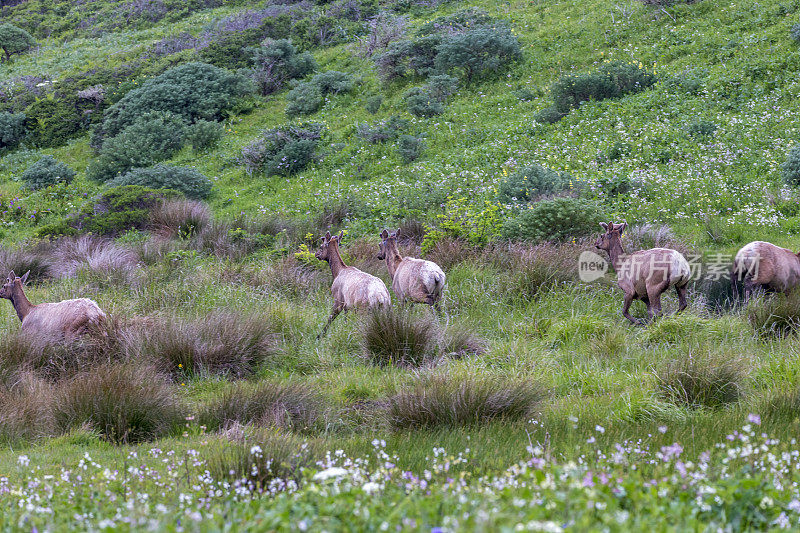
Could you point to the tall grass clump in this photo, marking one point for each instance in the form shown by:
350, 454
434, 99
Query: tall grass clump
451, 401
775, 315
125, 403
217, 344
396, 337
703, 380
180, 217
26, 258
531, 270
98, 256
283, 405
25, 413
261, 458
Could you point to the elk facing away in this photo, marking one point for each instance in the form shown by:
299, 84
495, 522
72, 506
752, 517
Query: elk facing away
763, 265
351, 288
647, 274
67, 318
415, 280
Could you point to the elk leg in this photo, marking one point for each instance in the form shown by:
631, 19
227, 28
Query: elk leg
334, 314
626, 307
682, 297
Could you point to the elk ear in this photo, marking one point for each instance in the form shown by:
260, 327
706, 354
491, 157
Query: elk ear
622, 228
327, 235
384, 235
12, 276
25, 277
604, 226
339, 238
396, 233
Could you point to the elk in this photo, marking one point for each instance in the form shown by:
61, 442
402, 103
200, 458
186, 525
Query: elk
66, 318
351, 288
763, 265
645, 275
414, 280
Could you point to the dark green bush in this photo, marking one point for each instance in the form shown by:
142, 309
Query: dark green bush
531, 181
429, 100
553, 220
333, 81
14, 40
12, 129
191, 91
459, 22
479, 53
47, 171
382, 131
549, 115
701, 129
114, 211
152, 138
408, 58
52, 122
187, 180
410, 148
205, 134
790, 169
277, 62
304, 99
611, 80
794, 31
373, 104
283, 150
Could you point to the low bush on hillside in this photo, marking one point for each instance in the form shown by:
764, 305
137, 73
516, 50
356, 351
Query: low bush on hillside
443, 401
12, 129
554, 220
308, 97
112, 212
186, 180
204, 134
125, 403
430, 99
47, 171
531, 181
190, 91
790, 168
703, 380
283, 150
382, 131
611, 80
152, 138
396, 337
288, 406
14, 40
479, 53
276, 62
461, 220
410, 148
52, 121
373, 104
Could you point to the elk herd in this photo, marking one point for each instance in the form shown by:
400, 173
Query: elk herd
643, 275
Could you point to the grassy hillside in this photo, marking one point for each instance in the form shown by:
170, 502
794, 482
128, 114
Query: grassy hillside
530, 405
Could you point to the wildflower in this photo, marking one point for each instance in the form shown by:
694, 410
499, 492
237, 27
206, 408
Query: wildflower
754, 419
328, 473
600, 429
23, 460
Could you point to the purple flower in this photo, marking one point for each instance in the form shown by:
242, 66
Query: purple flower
754, 419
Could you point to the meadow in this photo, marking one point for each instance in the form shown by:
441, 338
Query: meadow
530, 404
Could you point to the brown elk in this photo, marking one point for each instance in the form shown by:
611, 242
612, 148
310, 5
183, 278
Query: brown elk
351, 288
645, 275
763, 265
66, 318
414, 280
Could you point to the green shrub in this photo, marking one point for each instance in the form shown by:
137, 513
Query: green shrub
464, 221
205, 134
429, 100
12, 129
408, 58
191, 91
701, 129
790, 169
549, 115
114, 211
304, 99
52, 122
333, 81
553, 220
283, 150
531, 181
410, 148
47, 171
14, 40
187, 180
374, 104
794, 32
611, 80
276, 62
382, 131
479, 53
152, 138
